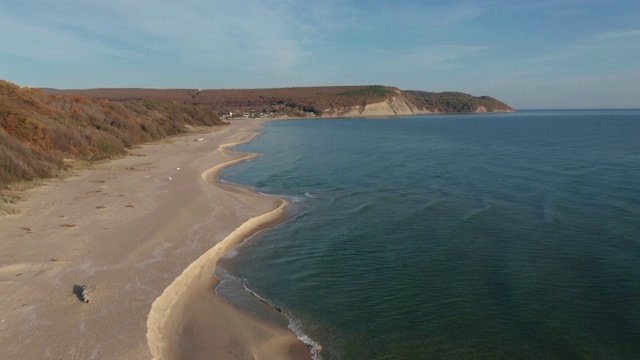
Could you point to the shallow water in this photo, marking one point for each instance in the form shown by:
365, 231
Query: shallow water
503, 236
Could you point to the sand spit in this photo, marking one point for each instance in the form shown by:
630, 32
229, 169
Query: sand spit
134, 232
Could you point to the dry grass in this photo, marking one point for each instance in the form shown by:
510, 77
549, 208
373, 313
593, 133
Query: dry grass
8, 201
9, 196
42, 135
9, 210
18, 188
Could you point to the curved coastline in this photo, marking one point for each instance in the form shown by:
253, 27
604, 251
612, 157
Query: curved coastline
127, 228
189, 306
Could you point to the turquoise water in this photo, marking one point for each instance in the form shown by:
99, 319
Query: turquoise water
506, 236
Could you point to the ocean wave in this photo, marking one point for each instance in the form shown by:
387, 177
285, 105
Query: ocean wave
310, 195
488, 203
294, 324
296, 198
349, 194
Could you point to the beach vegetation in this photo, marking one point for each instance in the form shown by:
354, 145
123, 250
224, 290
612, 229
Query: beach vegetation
454, 102
39, 129
373, 90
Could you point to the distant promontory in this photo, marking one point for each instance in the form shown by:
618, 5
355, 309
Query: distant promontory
325, 101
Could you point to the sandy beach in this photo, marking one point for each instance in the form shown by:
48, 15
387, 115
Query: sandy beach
143, 233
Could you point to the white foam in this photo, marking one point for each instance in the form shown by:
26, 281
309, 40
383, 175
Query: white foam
314, 347
294, 324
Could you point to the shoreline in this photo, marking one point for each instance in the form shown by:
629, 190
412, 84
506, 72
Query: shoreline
188, 289
141, 232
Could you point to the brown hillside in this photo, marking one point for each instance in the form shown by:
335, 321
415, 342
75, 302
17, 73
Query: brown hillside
290, 101
301, 100
454, 102
39, 130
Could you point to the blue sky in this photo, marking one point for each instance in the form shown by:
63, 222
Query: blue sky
530, 54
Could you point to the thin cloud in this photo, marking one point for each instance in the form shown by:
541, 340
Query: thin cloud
257, 34
27, 39
616, 35
427, 14
595, 44
441, 56
196, 32
457, 14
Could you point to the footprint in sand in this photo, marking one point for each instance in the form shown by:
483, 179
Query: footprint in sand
28, 230
63, 261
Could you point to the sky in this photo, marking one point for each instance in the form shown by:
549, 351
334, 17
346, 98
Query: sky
531, 54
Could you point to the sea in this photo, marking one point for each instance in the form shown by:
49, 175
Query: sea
492, 236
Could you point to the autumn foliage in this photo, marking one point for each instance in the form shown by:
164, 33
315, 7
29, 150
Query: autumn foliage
39, 130
288, 101
299, 100
454, 102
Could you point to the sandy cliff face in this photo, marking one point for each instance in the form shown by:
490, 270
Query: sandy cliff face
398, 105
481, 110
394, 106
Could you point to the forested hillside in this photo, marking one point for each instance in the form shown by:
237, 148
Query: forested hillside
39, 130
455, 102
298, 101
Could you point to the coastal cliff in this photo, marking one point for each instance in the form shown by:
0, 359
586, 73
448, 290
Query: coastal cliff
405, 103
396, 105
324, 101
